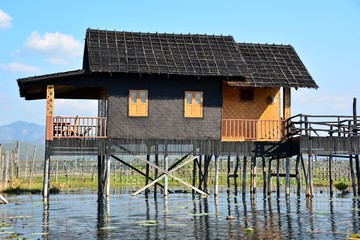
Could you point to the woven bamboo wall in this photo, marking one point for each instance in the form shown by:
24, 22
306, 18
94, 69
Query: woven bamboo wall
261, 108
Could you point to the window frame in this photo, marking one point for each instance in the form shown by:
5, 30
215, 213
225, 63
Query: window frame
247, 90
138, 104
193, 105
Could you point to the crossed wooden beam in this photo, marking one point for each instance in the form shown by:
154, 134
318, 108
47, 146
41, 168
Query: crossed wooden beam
173, 168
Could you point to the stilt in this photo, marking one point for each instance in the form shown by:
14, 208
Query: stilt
200, 173
352, 175
228, 174
357, 165
100, 178
46, 173
298, 183
206, 171
244, 177
287, 177
264, 175
310, 191
194, 175
166, 167
147, 172
108, 174
277, 177
269, 178
216, 180
253, 175
157, 164
236, 173
304, 171
330, 175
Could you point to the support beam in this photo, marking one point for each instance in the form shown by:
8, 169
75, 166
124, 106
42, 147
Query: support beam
277, 177
169, 173
100, 177
264, 175
330, 176
137, 170
286, 103
108, 174
269, 178
352, 175
297, 175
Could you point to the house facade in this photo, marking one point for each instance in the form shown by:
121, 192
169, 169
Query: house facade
174, 86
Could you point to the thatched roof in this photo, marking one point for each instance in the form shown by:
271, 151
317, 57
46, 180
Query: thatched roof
241, 64
161, 53
274, 66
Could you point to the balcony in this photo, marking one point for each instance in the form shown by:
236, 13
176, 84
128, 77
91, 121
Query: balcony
77, 127
253, 130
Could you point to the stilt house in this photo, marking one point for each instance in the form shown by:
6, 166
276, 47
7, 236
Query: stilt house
155, 89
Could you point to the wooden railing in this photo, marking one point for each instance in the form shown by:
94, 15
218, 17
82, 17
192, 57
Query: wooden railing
252, 130
323, 126
79, 127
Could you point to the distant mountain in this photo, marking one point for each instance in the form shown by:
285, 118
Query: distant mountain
22, 131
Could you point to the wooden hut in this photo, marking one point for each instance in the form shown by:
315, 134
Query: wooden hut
156, 88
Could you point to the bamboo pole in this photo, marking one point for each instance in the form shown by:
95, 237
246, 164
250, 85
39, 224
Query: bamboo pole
100, 178
147, 171
236, 173
166, 167
228, 174
46, 175
108, 174
194, 170
32, 169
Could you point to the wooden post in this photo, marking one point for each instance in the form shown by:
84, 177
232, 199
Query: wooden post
286, 102
269, 178
277, 177
330, 175
357, 164
166, 168
253, 175
236, 173
352, 175
228, 174
100, 177
264, 175
287, 178
206, 171
50, 100
108, 175
46, 174
216, 180
32, 168
244, 176
194, 175
6, 171
298, 183
147, 171
157, 164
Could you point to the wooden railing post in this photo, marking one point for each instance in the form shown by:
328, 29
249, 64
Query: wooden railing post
50, 98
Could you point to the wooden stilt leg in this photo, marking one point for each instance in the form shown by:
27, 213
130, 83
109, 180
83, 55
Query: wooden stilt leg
228, 174
264, 175
108, 175
277, 177
216, 180
194, 176
298, 183
236, 173
244, 177
269, 178
166, 167
100, 178
287, 177
330, 176
46, 176
352, 175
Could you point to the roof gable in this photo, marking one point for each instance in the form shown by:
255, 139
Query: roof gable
180, 54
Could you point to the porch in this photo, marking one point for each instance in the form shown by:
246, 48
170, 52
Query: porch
253, 130
76, 127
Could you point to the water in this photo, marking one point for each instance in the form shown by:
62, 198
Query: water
79, 216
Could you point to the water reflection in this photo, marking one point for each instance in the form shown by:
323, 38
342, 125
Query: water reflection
182, 216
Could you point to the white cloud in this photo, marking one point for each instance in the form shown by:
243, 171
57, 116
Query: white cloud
57, 44
19, 67
57, 61
5, 20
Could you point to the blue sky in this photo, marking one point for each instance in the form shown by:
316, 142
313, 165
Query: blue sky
39, 37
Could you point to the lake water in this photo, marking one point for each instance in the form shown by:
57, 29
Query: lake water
181, 216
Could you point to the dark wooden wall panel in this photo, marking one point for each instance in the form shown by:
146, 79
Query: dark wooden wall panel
166, 108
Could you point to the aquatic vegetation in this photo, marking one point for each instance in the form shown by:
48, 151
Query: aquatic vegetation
341, 186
